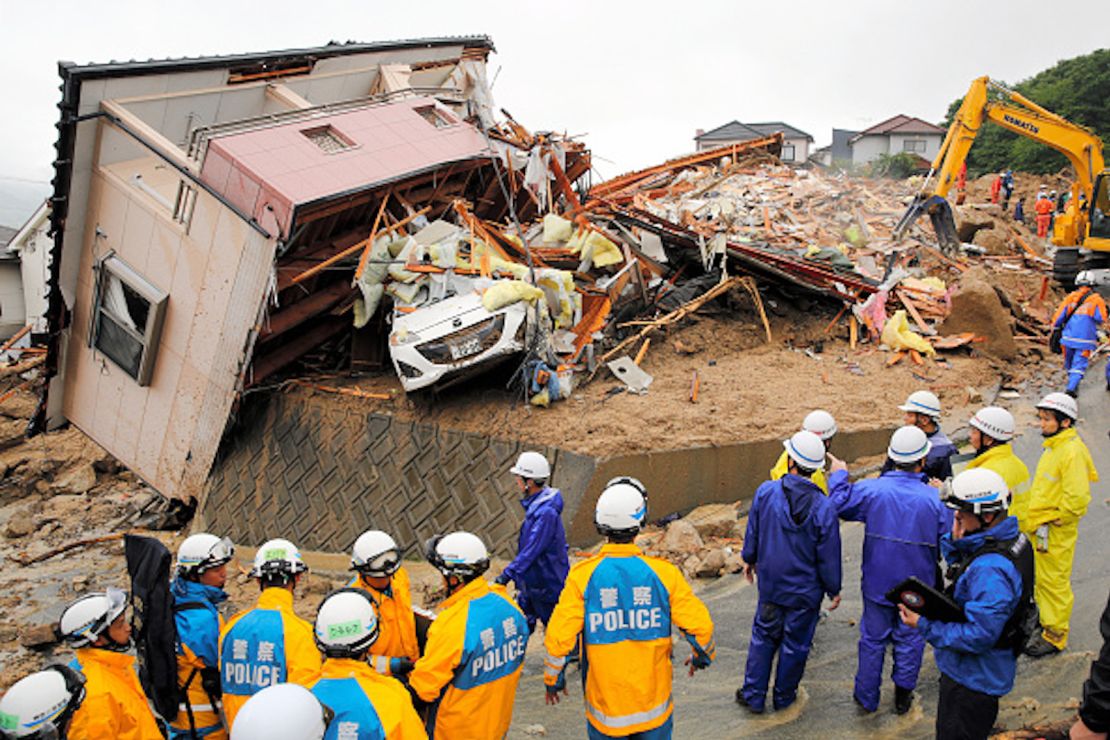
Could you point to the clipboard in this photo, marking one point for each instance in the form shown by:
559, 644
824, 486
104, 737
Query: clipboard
919, 597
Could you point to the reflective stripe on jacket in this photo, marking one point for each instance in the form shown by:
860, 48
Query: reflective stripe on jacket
793, 539
266, 645
397, 625
115, 707
818, 476
541, 564
989, 592
472, 663
1002, 460
198, 647
1081, 329
367, 706
1061, 487
624, 604
904, 521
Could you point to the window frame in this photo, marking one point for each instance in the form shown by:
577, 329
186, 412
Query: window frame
111, 265
911, 145
793, 153
446, 119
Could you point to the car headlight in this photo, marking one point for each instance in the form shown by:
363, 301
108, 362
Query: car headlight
401, 337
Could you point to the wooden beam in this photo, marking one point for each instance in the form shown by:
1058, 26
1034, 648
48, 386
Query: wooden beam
353, 250
297, 313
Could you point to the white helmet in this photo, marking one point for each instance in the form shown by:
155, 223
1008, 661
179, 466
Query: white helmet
40, 706
375, 554
87, 618
201, 552
532, 465
908, 444
1061, 402
806, 449
459, 554
821, 423
284, 711
922, 402
278, 557
995, 422
621, 507
978, 491
346, 623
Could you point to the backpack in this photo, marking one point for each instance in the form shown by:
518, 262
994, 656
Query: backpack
1057, 335
155, 629
1025, 623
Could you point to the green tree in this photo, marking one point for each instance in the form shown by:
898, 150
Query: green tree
1077, 89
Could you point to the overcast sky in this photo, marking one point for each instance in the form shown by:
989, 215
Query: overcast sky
637, 78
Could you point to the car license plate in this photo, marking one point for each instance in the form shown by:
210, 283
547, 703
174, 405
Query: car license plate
465, 348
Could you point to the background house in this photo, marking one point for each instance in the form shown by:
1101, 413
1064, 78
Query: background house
895, 135
31, 245
11, 287
795, 145
838, 151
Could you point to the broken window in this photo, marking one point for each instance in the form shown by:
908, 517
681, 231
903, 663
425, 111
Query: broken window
127, 318
434, 116
913, 145
328, 139
787, 152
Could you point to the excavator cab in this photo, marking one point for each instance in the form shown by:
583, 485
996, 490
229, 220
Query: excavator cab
1099, 214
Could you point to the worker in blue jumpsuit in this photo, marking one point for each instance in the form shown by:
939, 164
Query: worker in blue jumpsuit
922, 410
793, 544
904, 520
540, 567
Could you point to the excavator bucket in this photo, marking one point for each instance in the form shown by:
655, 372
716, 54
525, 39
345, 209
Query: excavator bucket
940, 213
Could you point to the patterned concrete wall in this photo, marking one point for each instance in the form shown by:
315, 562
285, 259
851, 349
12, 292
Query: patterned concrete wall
320, 476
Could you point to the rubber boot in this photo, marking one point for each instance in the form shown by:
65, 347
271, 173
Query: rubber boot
903, 699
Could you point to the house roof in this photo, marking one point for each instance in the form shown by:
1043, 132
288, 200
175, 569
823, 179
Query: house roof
900, 124
736, 131
6, 235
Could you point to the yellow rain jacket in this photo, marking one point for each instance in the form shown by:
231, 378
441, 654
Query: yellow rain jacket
397, 625
1058, 498
115, 707
365, 703
624, 605
818, 476
1002, 460
266, 645
472, 663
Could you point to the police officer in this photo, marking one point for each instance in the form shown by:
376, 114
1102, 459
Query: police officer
624, 605
793, 542
377, 561
201, 574
992, 429
284, 711
977, 658
367, 705
114, 707
541, 564
41, 706
922, 410
821, 423
472, 662
268, 644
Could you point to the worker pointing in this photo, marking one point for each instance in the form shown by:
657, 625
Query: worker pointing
376, 559
624, 606
821, 423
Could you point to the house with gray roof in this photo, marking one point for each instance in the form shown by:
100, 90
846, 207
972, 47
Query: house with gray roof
795, 144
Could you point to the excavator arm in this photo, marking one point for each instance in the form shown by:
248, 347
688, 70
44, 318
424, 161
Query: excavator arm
1024, 117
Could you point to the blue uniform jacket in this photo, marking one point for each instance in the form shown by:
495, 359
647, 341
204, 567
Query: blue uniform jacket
937, 462
989, 591
793, 539
541, 564
199, 629
904, 522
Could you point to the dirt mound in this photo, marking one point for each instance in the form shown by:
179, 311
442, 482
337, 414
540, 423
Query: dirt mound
977, 308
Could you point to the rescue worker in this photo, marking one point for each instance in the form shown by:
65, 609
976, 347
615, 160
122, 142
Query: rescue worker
367, 705
991, 430
1007, 188
821, 423
996, 187
201, 574
115, 707
377, 561
961, 185
793, 542
1043, 208
1058, 499
284, 711
904, 521
624, 605
472, 662
541, 564
40, 706
977, 658
1019, 211
1079, 318
267, 644
922, 410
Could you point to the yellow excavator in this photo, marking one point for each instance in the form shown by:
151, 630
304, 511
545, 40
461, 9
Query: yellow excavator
1081, 234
